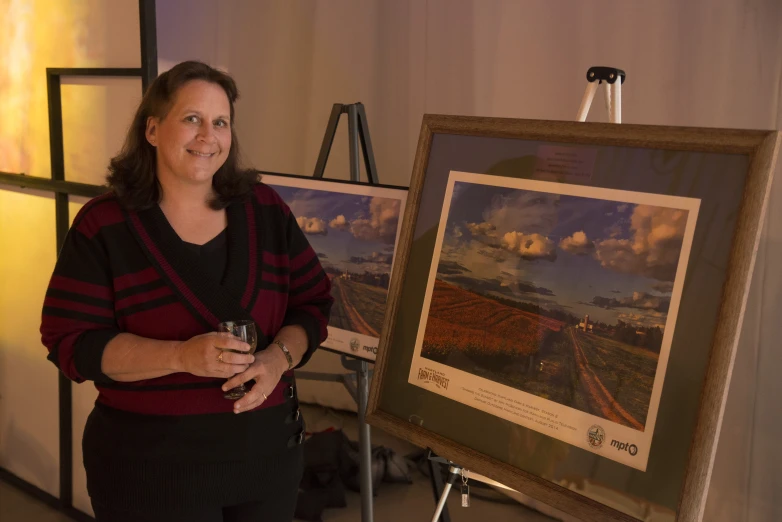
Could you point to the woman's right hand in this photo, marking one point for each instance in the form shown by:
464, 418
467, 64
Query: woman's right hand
201, 355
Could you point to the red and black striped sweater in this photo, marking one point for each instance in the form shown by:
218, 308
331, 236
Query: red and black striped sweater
123, 271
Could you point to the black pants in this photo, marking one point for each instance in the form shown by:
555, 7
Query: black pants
279, 508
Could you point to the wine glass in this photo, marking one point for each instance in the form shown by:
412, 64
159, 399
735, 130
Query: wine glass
245, 331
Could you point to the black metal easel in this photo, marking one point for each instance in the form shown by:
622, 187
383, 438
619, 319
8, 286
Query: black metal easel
357, 384
357, 128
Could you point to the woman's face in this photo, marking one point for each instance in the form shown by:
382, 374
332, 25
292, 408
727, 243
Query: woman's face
194, 138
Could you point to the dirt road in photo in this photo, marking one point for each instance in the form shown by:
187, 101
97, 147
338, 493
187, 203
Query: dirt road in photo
600, 400
346, 314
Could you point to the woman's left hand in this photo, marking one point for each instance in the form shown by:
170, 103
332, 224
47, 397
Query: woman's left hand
267, 371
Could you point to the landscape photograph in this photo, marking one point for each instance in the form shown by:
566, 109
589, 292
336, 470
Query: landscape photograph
561, 296
354, 237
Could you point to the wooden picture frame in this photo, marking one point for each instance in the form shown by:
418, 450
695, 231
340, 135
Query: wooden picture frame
701, 164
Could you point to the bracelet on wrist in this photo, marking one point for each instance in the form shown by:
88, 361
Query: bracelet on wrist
285, 352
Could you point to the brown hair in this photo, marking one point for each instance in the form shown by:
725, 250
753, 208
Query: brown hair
132, 173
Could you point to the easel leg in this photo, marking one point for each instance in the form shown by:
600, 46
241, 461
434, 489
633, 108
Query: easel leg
364, 441
355, 167
328, 140
364, 436
360, 393
453, 474
366, 142
609, 103
586, 101
617, 101
437, 489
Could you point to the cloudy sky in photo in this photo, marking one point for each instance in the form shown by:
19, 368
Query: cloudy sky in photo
348, 231
611, 260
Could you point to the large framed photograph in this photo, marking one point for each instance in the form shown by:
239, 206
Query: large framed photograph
565, 306
539, 306
354, 229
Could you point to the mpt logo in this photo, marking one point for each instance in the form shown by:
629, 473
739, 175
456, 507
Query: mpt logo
632, 449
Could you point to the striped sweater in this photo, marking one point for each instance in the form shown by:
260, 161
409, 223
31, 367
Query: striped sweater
123, 271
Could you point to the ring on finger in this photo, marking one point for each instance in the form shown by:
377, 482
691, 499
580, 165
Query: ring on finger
220, 357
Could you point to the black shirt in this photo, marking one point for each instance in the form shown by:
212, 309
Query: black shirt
213, 254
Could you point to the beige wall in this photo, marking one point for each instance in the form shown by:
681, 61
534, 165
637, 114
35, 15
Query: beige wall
694, 63
293, 60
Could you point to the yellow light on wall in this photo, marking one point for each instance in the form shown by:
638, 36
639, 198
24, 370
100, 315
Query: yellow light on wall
34, 35
29, 435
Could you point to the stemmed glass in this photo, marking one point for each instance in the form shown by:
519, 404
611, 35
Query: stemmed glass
245, 331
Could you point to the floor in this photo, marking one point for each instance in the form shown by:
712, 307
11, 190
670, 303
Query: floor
16, 506
393, 502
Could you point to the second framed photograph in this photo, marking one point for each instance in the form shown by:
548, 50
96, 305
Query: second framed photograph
353, 228
565, 306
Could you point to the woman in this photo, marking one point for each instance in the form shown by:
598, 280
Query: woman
184, 241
